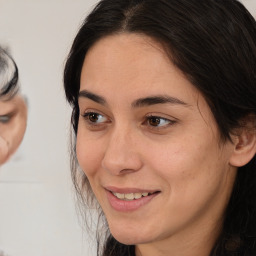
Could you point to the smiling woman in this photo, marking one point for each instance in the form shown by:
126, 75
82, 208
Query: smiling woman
164, 116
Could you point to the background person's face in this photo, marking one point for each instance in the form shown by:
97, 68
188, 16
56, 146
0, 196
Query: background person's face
13, 120
144, 128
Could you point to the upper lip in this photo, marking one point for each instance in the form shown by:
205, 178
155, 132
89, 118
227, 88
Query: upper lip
130, 190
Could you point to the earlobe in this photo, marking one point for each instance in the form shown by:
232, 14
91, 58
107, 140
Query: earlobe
244, 147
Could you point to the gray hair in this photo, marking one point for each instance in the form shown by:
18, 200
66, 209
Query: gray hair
8, 75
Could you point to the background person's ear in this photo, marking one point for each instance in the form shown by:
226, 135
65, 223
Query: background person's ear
245, 143
13, 122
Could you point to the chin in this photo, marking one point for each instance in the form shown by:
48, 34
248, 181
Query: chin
129, 237
129, 240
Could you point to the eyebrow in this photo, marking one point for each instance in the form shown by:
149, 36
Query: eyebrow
142, 102
157, 99
92, 96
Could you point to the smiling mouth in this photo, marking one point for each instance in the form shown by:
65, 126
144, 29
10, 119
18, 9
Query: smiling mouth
132, 196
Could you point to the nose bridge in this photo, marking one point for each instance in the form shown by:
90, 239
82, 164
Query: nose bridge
121, 154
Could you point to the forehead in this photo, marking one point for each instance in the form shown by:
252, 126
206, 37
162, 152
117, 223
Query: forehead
135, 64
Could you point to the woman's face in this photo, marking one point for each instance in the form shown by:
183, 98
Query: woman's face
13, 120
149, 145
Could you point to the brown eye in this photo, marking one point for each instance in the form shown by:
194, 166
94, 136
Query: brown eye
154, 121
93, 117
158, 122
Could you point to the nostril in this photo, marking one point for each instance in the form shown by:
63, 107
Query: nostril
126, 171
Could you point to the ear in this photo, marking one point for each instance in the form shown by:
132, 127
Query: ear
13, 121
244, 144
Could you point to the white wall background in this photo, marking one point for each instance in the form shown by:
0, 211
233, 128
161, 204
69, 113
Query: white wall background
37, 213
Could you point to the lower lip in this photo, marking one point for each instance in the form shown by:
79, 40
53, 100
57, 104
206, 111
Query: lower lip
126, 206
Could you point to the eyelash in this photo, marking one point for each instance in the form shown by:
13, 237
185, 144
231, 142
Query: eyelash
157, 119
92, 124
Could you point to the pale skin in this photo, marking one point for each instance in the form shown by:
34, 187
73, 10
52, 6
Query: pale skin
13, 121
129, 140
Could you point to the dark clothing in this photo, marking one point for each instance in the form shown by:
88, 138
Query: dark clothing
114, 248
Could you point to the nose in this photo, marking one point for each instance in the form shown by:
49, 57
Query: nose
121, 153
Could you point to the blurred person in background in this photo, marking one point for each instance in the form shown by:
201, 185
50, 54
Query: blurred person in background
13, 109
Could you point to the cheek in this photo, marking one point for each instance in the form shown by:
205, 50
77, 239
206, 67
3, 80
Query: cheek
88, 153
187, 166
193, 181
4, 150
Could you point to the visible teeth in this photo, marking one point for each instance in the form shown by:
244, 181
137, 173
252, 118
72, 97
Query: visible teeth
120, 196
137, 195
130, 196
